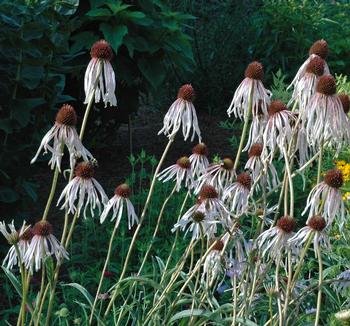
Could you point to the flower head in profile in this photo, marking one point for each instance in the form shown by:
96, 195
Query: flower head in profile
305, 87
265, 170
345, 101
199, 159
218, 175
43, 245
324, 116
199, 223
237, 194
325, 198
213, 266
251, 85
17, 240
274, 242
63, 133
116, 203
99, 80
182, 112
180, 172
278, 131
315, 228
83, 191
318, 50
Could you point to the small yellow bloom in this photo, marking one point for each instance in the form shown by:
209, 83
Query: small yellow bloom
337, 236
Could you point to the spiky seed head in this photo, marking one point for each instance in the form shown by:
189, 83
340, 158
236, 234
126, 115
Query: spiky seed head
219, 245
255, 150
123, 190
317, 223
316, 66
101, 50
345, 101
326, 85
184, 162
84, 170
319, 48
255, 70
275, 107
198, 216
334, 178
27, 235
67, 116
208, 192
200, 149
42, 228
286, 223
187, 93
228, 163
244, 179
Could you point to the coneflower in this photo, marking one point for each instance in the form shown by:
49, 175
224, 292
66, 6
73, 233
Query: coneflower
43, 245
256, 167
121, 195
83, 191
218, 175
182, 112
251, 84
237, 194
315, 227
101, 53
325, 198
274, 242
318, 50
180, 172
278, 131
199, 159
213, 266
324, 116
63, 133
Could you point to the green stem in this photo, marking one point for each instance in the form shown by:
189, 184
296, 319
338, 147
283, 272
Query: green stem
320, 281
245, 129
143, 214
22, 313
319, 168
110, 246
278, 263
286, 302
234, 290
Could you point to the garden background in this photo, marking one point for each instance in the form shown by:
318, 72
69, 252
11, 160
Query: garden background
158, 45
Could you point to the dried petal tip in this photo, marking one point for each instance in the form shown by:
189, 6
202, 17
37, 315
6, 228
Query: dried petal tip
123, 190
84, 170
187, 93
66, 116
255, 150
208, 192
219, 245
101, 50
276, 106
228, 163
334, 178
43, 228
200, 149
316, 66
286, 223
244, 179
345, 101
326, 85
255, 70
184, 162
198, 216
27, 235
317, 223
319, 48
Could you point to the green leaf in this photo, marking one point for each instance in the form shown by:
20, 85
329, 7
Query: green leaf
117, 6
8, 195
153, 71
13, 279
99, 12
114, 34
82, 290
30, 189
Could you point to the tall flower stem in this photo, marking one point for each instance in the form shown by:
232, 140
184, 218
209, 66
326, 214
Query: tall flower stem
22, 313
320, 281
110, 246
245, 129
155, 232
142, 217
234, 292
289, 282
278, 263
52, 193
319, 168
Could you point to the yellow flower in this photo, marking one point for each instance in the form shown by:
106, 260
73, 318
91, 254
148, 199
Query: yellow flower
337, 236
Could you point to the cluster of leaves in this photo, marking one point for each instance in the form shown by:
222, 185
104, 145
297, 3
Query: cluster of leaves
45, 48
